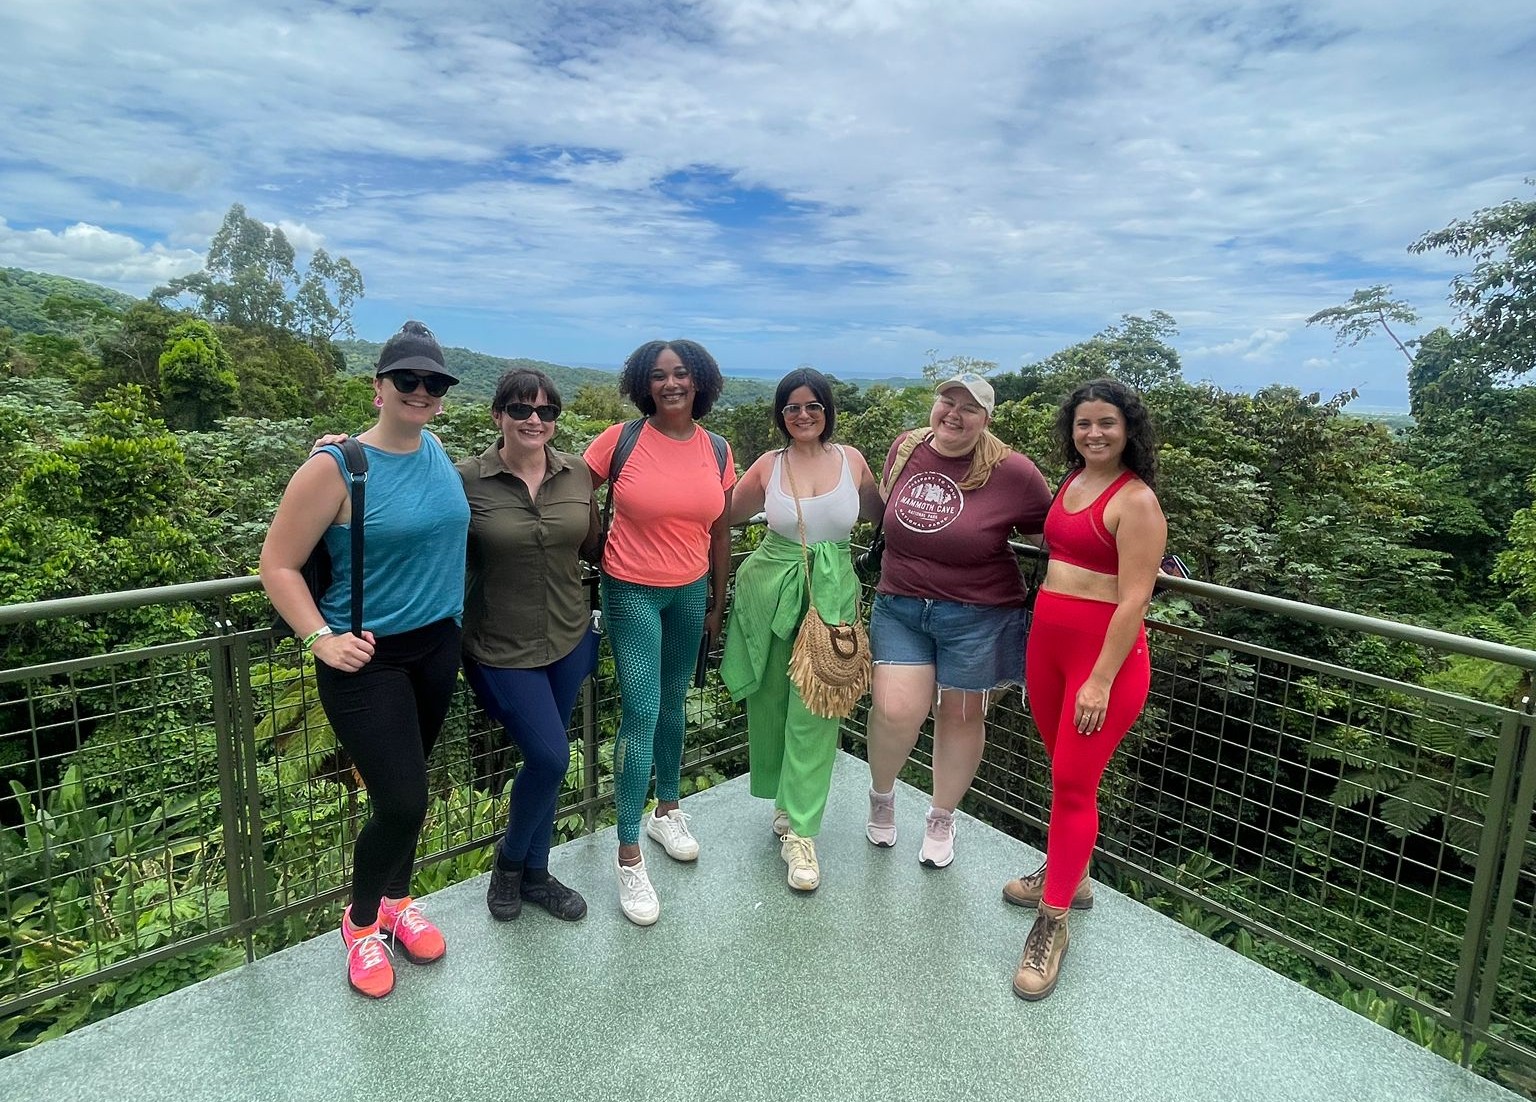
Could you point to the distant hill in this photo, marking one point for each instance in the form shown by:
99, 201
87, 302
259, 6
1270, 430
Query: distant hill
478, 373
23, 295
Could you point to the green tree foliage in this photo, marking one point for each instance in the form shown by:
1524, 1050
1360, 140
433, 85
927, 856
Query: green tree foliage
1135, 350
35, 302
197, 381
323, 305
1516, 565
1364, 313
601, 401
130, 356
1497, 298
251, 281
749, 428
100, 501
1473, 444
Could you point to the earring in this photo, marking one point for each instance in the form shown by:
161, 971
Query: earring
378, 401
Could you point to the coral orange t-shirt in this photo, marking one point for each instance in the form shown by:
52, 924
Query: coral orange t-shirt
668, 495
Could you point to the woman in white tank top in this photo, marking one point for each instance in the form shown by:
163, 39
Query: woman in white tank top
793, 751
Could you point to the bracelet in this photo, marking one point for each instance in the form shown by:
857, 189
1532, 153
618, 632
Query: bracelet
309, 640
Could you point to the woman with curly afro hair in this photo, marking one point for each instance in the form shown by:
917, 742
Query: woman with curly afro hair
665, 568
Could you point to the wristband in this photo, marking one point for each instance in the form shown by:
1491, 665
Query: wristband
309, 640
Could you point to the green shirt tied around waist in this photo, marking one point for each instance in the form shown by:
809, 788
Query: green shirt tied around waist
770, 599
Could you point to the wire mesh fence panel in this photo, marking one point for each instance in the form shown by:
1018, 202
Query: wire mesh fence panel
112, 848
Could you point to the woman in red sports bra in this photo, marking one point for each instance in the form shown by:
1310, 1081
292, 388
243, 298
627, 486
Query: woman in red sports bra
1086, 666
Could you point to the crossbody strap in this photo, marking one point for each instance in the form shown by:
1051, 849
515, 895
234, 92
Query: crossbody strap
898, 464
357, 476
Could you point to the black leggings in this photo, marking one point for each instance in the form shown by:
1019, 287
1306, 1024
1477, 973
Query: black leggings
387, 716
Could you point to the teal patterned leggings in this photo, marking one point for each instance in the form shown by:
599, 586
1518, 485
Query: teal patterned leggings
654, 632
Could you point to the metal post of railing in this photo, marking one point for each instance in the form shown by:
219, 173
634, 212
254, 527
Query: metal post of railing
1488, 875
221, 669
249, 784
1517, 825
589, 736
589, 752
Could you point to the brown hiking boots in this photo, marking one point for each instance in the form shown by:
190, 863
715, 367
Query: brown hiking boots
1040, 964
1025, 891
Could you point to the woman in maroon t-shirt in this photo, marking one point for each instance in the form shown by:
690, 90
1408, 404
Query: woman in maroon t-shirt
947, 627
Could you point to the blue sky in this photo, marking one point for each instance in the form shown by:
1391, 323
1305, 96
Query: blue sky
844, 183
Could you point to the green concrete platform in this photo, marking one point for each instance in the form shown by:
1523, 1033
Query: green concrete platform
890, 983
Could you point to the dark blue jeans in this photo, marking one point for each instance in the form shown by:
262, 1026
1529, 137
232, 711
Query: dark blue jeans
534, 705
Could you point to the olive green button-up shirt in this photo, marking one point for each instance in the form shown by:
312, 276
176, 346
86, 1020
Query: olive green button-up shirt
524, 602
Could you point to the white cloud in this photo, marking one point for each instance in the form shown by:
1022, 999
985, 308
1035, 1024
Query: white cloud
89, 252
1258, 345
1002, 178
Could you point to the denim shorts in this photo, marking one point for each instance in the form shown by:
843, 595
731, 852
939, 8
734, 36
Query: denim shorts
971, 647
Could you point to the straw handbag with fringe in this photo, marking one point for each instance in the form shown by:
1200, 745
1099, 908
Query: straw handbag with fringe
830, 664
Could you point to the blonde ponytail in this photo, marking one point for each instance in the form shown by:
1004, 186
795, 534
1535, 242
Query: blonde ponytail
988, 455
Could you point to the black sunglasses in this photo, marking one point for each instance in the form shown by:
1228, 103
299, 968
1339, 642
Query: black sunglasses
521, 411
406, 382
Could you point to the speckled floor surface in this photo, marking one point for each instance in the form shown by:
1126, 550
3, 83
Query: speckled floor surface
890, 983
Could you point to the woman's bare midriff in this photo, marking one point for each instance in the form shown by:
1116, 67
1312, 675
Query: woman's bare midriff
1074, 581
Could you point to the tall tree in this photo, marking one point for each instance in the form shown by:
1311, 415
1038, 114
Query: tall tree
1364, 313
1135, 350
197, 383
1497, 299
251, 281
323, 307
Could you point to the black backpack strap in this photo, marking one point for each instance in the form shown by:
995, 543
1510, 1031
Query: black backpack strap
357, 477
629, 436
722, 449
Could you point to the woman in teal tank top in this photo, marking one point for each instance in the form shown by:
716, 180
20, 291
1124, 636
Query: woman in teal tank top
386, 690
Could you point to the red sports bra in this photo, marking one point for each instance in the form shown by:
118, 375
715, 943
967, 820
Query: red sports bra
1080, 538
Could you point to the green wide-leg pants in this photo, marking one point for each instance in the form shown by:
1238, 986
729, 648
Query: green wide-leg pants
792, 751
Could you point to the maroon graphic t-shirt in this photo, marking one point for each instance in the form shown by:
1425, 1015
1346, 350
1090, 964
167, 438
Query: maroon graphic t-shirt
949, 544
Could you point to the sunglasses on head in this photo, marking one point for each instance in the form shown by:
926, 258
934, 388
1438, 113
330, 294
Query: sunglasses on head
521, 411
406, 382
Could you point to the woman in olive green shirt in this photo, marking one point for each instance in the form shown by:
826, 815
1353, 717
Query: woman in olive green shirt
527, 641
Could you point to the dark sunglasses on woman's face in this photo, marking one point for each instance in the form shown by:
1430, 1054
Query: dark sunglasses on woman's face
406, 382
521, 411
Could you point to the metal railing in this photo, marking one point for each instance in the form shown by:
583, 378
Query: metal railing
188, 799
174, 808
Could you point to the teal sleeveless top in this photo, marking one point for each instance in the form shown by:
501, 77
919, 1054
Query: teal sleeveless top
416, 527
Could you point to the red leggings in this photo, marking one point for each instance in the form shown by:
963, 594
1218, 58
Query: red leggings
1065, 638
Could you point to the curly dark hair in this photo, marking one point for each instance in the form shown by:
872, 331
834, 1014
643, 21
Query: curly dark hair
635, 379
817, 382
522, 384
1140, 438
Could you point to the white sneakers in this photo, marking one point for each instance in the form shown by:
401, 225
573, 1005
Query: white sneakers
800, 855
671, 830
881, 829
938, 839
938, 848
780, 822
637, 898
637, 895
